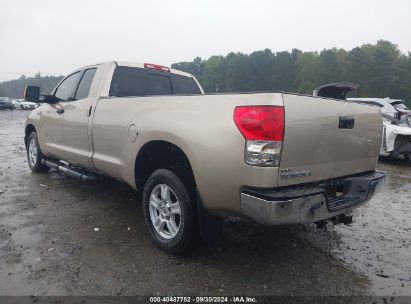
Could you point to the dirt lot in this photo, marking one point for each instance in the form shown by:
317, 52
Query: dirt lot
49, 244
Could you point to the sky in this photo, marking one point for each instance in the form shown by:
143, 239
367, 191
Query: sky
55, 37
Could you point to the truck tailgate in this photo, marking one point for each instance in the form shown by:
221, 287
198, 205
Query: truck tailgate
317, 148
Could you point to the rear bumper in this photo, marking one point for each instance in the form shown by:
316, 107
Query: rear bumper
309, 204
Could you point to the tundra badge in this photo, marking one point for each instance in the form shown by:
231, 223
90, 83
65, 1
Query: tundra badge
289, 173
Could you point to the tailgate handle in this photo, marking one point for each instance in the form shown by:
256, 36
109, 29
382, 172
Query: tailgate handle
346, 122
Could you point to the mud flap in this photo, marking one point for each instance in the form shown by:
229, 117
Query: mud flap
210, 226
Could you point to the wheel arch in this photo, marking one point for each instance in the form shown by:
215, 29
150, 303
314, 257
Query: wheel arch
162, 154
29, 128
209, 227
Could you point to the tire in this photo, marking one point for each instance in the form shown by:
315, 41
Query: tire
34, 155
166, 201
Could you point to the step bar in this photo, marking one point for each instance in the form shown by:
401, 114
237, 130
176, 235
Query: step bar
70, 171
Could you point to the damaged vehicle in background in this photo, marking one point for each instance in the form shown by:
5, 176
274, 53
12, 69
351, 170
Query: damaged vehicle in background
403, 111
396, 137
396, 142
395, 108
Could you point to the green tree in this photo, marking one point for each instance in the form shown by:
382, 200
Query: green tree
380, 69
330, 69
214, 75
15, 88
307, 72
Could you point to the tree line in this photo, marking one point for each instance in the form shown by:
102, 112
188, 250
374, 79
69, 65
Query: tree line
381, 70
15, 88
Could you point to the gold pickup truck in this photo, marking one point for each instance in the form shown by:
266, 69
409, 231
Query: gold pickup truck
275, 158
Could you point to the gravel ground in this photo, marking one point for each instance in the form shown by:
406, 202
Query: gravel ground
59, 236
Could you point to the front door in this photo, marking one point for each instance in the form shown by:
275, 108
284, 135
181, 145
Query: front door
52, 117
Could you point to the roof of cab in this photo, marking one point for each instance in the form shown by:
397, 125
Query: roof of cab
131, 64
141, 65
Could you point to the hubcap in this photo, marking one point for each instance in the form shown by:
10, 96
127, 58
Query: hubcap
33, 152
165, 211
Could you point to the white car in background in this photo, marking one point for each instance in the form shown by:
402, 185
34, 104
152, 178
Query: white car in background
16, 103
28, 105
397, 126
393, 107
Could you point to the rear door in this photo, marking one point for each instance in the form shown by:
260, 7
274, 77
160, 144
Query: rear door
326, 138
77, 113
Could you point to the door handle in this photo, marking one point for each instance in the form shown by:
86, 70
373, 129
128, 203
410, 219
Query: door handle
89, 111
60, 111
346, 122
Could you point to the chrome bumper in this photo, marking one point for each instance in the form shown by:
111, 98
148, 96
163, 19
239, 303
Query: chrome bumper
309, 204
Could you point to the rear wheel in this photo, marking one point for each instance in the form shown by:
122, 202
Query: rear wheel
168, 211
34, 155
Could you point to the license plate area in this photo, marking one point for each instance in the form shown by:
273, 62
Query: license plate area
340, 194
334, 189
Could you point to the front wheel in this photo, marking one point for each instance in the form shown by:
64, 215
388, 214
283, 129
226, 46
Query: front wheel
34, 155
168, 211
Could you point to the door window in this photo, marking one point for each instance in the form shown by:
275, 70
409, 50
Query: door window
65, 91
85, 84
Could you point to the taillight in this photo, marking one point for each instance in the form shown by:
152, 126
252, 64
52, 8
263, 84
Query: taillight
156, 67
260, 122
263, 129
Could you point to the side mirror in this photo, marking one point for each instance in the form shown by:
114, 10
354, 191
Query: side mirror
47, 99
32, 93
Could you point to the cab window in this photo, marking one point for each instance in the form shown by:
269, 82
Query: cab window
85, 83
66, 89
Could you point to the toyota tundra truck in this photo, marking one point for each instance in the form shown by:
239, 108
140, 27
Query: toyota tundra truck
273, 157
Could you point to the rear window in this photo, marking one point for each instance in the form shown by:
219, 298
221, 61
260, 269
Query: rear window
159, 84
130, 81
184, 85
